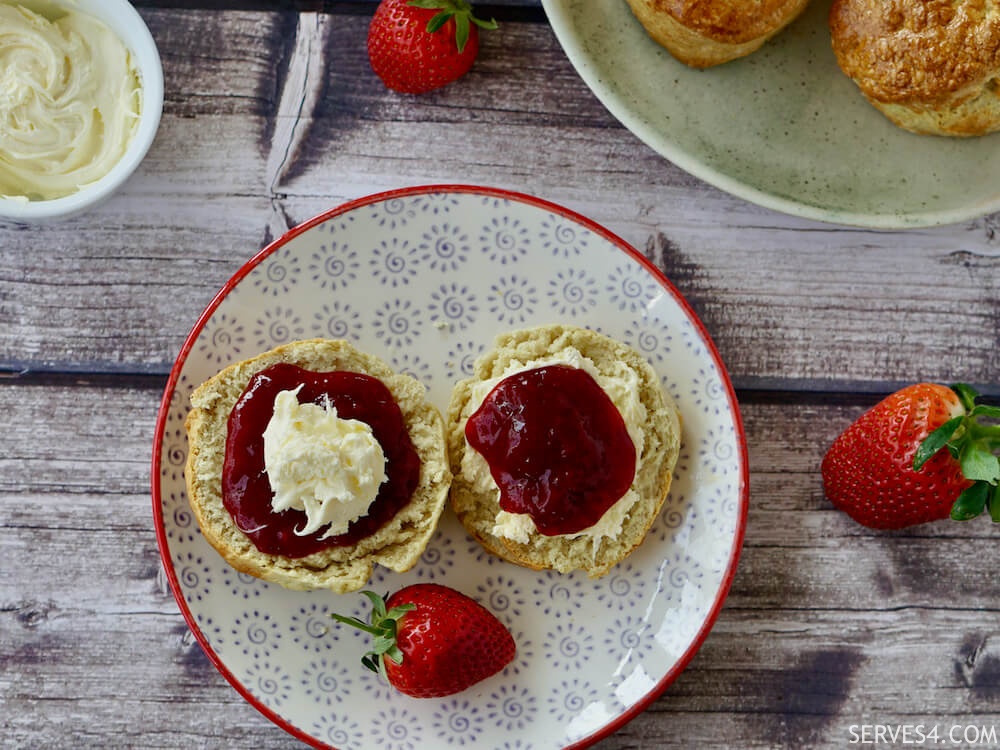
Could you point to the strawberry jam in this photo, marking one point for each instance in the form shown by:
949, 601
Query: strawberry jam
246, 491
556, 445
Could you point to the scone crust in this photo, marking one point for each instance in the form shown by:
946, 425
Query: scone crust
929, 66
662, 444
397, 545
702, 33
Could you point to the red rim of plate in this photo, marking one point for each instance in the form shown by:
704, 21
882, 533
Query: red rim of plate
161, 536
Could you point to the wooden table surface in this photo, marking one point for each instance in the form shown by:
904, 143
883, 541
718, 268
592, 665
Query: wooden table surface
830, 629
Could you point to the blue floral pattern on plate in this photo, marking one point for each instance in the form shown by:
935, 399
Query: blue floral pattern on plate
426, 278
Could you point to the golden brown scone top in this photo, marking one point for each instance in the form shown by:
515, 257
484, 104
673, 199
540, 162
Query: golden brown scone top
904, 51
728, 21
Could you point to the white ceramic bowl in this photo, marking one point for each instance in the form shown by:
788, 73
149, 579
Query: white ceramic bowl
125, 21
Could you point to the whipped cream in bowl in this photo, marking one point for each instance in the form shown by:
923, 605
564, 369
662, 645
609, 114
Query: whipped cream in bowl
81, 94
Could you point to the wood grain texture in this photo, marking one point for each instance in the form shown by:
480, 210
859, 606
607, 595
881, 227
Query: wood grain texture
272, 116
828, 625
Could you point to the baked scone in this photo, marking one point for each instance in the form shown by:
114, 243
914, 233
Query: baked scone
703, 33
397, 544
930, 66
646, 410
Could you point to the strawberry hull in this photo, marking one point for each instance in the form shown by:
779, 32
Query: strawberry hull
868, 471
449, 642
416, 46
431, 640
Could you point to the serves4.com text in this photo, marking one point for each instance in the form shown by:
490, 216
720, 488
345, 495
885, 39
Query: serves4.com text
924, 734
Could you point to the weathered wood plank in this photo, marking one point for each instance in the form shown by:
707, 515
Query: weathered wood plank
791, 304
828, 625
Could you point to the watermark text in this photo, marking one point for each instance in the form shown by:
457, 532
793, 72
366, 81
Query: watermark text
966, 735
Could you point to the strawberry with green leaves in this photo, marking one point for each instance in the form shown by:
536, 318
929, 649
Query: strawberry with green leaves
924, 453
416, 46
431, 640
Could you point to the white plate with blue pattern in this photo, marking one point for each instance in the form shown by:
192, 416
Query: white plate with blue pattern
425, 278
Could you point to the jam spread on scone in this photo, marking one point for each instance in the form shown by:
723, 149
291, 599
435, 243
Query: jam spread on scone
556, 445
246, 490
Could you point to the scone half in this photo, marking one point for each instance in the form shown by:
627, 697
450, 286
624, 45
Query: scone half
396, 545
476, 500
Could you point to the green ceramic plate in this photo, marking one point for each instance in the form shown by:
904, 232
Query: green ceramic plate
783, 128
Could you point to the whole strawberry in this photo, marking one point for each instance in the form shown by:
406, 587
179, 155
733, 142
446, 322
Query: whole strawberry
921, 454
431, 640
416, 46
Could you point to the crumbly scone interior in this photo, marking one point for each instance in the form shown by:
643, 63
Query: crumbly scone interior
397, 545
477, 510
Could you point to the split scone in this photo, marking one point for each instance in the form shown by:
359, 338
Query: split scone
312, 462
930, 66
562, 447
703, 33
